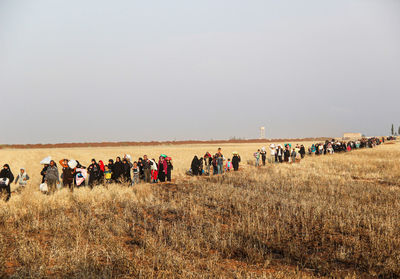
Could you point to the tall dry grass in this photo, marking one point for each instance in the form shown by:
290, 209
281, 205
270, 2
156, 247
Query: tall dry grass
334, 216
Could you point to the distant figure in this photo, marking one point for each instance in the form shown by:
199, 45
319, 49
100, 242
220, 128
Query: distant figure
162, 169
228, 166
147, 168
207, 162
257, 157
286, 154
293, 155
214, 164
136, 173
220, 161
101, 174
235, 161
195, 166
279, 154
118, 170
126, 172
302, 151
111, 168
272, 151
154, 171
170, 167
263, 155
107, 175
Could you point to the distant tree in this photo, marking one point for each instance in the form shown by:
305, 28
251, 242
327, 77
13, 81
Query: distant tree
392, 129
398, 131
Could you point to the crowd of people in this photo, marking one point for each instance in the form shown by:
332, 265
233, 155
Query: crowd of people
293, 154
73, 174
216, 163
124, 171
97, 173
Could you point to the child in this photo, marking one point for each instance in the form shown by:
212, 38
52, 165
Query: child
228, 166
22, 178
136, 173
107, 174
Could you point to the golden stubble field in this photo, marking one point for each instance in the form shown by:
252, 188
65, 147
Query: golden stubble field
329, 216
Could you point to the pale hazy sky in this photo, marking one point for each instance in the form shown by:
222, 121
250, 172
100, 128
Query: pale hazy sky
162, 70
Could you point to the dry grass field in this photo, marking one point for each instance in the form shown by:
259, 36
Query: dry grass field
329, 216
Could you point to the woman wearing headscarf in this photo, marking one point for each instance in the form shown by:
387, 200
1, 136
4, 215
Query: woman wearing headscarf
102, 170
170, 167
118, 170
235, 161
43, 173
302, 151
94, 173
68, 175
126, 174
141, 168
195, 166
286, 154
7, 178
52, 176
162, 169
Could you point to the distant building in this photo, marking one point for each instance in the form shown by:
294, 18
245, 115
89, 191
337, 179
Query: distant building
349, 136
262, 132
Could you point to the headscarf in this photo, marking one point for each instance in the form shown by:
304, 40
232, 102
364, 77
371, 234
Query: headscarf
101, 164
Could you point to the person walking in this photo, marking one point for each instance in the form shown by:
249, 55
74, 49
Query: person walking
257, 157
286, 154
136, 173
272, 151
94, 173
126, 172
220, 162
43, 173
263, 154
170, 167
195, 166
68, 175
235, 161
147, 168
207, 163
22, 178
118, 170
6, 178
52, 176
162, 169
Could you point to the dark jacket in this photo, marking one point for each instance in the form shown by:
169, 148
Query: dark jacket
126, 171
94, 170
235, 162
6, 173
147, 164
195, 165
43, 173
118, 170
68, 175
